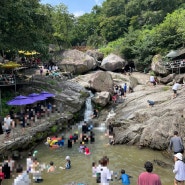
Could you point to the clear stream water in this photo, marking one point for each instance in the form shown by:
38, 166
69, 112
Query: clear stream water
130, 158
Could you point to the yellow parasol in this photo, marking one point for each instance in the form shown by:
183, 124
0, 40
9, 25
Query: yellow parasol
35, 53
21, 52
9, 65
27, 53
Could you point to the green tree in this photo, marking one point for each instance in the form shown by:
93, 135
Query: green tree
62, 24
23, 26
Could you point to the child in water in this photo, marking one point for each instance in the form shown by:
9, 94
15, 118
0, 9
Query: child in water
51, 167
125, 178
82, 147
68, 163
87, 151
94, 169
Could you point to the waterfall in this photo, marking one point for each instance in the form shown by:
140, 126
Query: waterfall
88, 107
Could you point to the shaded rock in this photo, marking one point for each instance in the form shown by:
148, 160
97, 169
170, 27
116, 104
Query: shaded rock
167, 79
101, 98
98, 56
1, 59
157, 65
133, 81
119, 78
162, 163
179, 78
112, 63
70, 96
76, 62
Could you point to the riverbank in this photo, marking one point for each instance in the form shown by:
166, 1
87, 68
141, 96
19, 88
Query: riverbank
33, 134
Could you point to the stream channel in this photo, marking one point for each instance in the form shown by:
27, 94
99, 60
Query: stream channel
130, 158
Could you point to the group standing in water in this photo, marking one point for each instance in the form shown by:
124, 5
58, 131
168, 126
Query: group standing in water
101, 172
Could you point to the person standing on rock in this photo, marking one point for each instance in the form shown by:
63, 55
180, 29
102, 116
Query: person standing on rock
176, 144
125, 89
7, 126
175, 88
148, 178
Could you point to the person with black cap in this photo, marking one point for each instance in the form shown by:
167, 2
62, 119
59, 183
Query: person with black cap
148, 177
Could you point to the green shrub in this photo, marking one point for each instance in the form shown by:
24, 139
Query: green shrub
165, 88
54, 128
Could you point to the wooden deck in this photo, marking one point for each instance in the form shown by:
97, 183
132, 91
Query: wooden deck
12, 80
175, 66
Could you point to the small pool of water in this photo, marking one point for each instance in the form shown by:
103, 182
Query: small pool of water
125, 157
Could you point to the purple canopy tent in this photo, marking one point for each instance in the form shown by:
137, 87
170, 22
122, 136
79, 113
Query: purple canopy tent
21, 100
37, 97
46, 94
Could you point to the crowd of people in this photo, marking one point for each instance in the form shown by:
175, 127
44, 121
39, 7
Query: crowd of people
103, 175
120, 92
25, 118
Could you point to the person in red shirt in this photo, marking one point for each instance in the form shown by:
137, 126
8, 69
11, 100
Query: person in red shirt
148, 178
87, 151
1, 175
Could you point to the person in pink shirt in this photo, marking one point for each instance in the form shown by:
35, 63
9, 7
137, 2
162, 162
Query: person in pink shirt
148, 178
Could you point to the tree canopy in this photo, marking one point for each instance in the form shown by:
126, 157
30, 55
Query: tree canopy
135, 29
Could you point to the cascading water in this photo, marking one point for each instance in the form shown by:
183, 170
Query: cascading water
88, 107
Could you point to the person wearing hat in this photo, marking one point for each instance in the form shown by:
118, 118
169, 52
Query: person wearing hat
67, 164
148, 177
179, 170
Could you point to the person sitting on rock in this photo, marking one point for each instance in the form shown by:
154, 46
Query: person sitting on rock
150, 103
95, 113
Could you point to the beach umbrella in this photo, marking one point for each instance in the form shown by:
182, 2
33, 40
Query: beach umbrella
35, 53
27, 53
21, 100
46, 94
9, 65
37, 97
21, 52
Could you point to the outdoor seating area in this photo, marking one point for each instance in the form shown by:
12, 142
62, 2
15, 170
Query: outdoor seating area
175, 65
27, 111
7, 79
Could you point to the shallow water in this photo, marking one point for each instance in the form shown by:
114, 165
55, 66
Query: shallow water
129, 158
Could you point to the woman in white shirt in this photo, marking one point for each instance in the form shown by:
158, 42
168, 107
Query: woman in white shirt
179, 170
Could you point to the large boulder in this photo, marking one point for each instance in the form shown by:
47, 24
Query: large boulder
112, 63
101, 98
97, 81
101, 81
157, 65
167, 79
76, 62
98, 56
69, 96
151, 127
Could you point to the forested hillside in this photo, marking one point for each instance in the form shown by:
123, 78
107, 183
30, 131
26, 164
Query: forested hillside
135, 29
